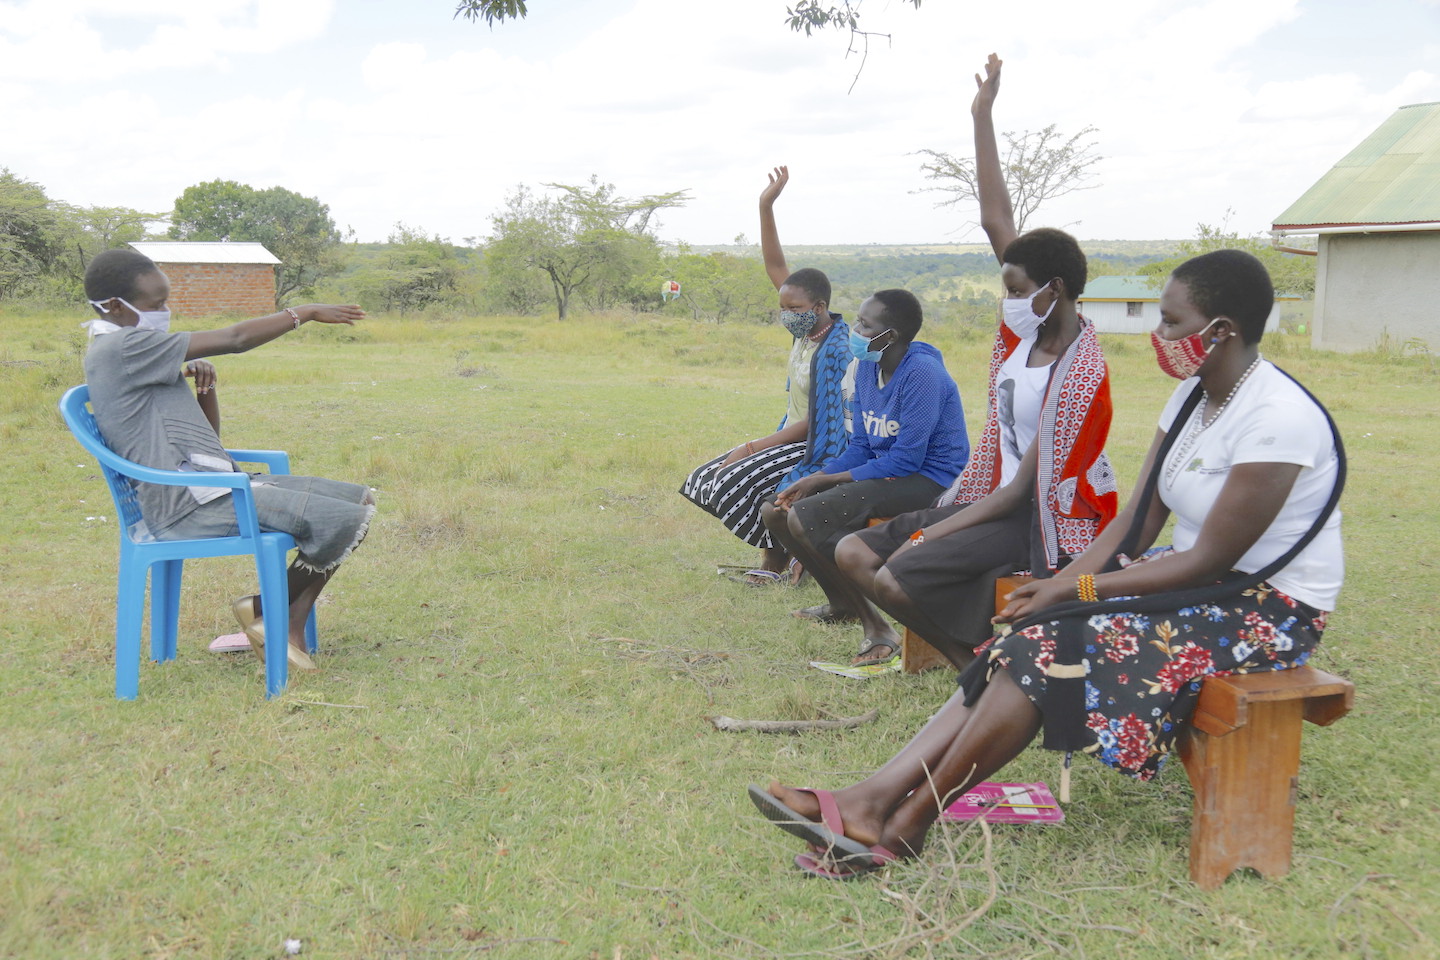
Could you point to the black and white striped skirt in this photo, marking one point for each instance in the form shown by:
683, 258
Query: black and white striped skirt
735, 493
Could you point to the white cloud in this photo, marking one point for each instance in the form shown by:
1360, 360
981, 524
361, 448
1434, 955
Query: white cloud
433, 125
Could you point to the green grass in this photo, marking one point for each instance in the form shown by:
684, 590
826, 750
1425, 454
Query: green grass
506, 752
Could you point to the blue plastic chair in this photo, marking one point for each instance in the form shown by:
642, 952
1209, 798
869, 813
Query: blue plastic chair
139, 552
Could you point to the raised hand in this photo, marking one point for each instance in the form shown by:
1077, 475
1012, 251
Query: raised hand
773, 189
987, 89
331, 313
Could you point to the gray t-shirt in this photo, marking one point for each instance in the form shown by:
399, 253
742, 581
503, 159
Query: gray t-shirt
148, 414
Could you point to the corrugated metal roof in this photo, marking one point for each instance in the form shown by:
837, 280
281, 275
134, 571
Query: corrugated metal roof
186, 251
1121, 288
1393, 176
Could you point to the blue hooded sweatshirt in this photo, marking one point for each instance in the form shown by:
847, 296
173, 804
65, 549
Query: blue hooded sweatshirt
913, 424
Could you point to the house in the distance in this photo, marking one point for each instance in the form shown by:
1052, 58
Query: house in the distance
1132, 304
1377, 214
210, 278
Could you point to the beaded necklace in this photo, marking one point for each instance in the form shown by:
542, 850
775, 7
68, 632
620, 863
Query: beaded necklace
1179, 456
1206, 421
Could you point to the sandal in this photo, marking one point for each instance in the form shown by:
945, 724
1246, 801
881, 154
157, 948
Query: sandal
757, 578
823, 614
874, 661
795, 572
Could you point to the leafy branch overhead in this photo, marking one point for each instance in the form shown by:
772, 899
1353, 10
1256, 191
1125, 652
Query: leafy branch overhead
807, 15
1039, 166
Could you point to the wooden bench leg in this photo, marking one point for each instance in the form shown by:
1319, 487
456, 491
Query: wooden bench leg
917, 656
1245, 784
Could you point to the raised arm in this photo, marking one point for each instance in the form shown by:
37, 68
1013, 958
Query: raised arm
770, 236
997, 217
249, 334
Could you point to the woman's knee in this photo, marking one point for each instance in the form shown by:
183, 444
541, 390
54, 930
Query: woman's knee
888, 591
856, 560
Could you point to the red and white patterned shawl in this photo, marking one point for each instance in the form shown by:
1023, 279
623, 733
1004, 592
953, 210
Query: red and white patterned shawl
1074, 484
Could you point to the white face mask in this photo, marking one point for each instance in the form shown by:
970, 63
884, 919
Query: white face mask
1020, 316
158, 320
97, 326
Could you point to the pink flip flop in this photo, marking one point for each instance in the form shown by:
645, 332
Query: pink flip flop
828, 835
230, 643
828, 868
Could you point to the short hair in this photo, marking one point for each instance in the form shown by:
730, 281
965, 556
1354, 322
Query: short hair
1230, 283
814, 282
902, 311
112, 273
1046, 253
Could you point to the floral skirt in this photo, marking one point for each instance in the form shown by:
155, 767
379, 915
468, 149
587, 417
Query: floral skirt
1138, 676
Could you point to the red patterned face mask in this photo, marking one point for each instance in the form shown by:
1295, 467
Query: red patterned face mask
1181, 358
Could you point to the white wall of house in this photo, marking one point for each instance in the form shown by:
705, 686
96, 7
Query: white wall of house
1371, 287
1121, 316
1140, 316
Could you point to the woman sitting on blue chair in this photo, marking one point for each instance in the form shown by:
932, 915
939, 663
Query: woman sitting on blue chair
136, 369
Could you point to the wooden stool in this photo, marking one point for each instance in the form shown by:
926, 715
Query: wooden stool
1242, 752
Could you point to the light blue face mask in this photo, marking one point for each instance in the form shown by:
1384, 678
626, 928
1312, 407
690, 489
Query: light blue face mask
860, 346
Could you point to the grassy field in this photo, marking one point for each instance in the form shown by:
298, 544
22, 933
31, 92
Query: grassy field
507, 752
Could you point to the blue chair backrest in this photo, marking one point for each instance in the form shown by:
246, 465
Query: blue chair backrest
75, 408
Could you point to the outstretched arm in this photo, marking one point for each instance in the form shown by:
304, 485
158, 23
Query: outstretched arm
770, 236
997, 216
249, 334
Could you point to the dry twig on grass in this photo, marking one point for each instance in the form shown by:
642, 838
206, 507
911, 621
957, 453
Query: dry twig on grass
792, 726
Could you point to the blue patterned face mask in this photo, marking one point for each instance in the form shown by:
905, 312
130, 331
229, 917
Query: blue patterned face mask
860, 347
799, 324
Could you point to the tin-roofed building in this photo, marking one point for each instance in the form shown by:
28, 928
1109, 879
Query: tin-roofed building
210, 278
1377, 214
1132, 304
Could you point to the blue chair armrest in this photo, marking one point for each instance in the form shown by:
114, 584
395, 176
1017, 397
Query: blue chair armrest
278, 461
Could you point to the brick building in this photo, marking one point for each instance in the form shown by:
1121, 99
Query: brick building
210, 278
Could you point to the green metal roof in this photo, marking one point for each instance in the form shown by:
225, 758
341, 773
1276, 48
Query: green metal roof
1393, 176
1122, 288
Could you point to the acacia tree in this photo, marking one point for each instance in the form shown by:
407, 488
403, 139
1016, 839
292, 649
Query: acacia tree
585, 238
1039, 165
805, 16
297, 229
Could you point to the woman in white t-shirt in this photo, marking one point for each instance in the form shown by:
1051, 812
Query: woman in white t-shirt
1251, 473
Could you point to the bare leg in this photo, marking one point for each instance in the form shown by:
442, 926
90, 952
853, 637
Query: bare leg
304, 589
959, 746
891, 597
844, 599
773, 559
777, 521
858, 565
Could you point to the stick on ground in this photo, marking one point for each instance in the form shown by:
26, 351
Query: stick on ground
792, 726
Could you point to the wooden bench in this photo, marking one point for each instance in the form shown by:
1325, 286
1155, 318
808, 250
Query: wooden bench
1241, 752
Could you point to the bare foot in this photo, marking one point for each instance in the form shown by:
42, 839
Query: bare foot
876, 650
862, 822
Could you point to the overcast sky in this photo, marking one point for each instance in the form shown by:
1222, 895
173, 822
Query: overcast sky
394, 111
